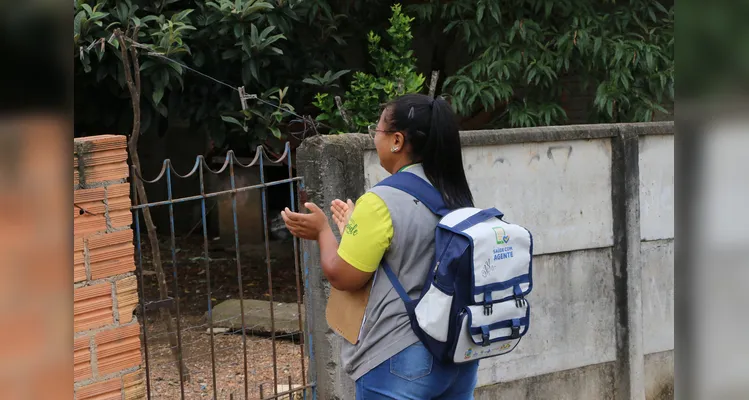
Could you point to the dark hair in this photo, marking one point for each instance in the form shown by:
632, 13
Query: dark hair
431, 128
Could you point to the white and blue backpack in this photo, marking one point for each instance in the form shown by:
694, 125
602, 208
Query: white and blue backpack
473, 304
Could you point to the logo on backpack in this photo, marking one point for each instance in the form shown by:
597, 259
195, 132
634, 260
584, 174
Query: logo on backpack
502, 237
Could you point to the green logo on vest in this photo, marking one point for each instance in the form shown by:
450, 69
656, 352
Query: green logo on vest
352, 228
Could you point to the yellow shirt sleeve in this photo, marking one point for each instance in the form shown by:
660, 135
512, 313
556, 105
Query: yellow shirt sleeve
368, 234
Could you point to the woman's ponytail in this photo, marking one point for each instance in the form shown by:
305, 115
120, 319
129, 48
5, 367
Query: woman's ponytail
430, 126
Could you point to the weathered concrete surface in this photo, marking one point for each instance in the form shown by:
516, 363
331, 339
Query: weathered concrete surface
629, 382
257, 316
593, 382
249, 206
657, 187
659, 376
332, 168
561, 191
658, 295
572, 318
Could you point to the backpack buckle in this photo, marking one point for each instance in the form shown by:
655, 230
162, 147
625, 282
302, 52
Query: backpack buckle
515, 328
485, 336
515, 332
488, 302
517, 294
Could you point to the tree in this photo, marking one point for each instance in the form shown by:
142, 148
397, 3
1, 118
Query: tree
521, 50
266, 46
395, 75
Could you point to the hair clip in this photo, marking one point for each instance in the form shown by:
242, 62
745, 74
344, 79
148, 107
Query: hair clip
411, 113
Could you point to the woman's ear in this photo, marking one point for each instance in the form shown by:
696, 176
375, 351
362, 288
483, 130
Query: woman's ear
398, 140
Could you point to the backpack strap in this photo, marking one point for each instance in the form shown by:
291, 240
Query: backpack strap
479, 217
398, 287
418, 188
432, 199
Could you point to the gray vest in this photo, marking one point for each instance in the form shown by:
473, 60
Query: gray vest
387, 330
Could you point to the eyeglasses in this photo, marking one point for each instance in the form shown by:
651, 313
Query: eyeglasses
372, 129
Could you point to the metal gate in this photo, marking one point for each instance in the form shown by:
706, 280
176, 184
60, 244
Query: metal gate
176, 339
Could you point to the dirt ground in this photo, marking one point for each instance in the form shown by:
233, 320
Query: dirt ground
229, 357
192, 289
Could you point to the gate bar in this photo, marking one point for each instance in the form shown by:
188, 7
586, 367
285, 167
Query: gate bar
174, 274
296, 272
207, 266
215, 194
144, 317
270, 276
233, 192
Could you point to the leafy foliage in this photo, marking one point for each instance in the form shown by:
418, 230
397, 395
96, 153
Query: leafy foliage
395, 75
522, 57
522, 50
260, 44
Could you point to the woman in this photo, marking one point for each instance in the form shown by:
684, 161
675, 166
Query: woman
418, 135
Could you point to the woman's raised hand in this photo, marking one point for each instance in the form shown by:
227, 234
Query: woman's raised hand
341, 213
306, 226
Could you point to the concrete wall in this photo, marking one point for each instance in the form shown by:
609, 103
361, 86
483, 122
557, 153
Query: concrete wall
599, 201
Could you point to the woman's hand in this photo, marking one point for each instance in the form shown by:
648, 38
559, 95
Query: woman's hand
306, 226
341, 213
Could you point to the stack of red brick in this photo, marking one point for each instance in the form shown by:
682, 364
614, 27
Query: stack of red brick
107, 355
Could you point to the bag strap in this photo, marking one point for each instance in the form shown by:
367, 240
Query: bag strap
479, 217
398, 287
432, 199
418, 188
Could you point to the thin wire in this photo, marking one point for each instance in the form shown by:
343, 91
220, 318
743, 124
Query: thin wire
232, 87
161, 55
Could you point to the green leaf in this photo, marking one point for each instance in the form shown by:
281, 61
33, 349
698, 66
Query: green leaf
276, 132
231, 120
176, 67
147, 64
480, 12
158, 93
649, 61
254, 34
77, 22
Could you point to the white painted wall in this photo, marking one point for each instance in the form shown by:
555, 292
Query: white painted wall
560, 191
657, 259
572, 318
657, 187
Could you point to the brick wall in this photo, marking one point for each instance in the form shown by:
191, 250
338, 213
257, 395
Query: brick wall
106, 344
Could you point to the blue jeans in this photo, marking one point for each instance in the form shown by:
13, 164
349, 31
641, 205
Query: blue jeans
413, 374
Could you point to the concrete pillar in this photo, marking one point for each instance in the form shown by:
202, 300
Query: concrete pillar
625, 185
332, 167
